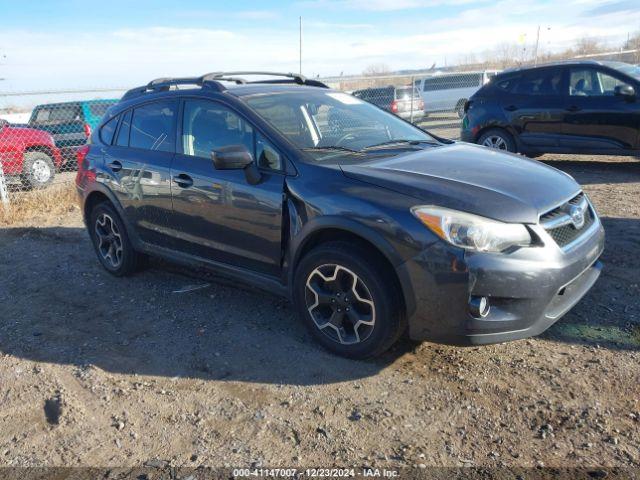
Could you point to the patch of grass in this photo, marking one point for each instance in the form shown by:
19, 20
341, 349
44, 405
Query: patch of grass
39, 205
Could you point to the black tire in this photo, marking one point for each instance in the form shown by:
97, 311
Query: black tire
374, 284
103, 218
38, 170
499, 139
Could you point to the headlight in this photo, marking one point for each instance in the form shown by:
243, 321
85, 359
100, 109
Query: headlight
471, 231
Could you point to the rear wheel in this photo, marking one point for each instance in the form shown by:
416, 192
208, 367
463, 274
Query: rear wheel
348, 303
38, 170
499, 139
111, 242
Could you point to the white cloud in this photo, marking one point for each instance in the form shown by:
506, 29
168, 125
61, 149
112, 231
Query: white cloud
379, 5
128, 57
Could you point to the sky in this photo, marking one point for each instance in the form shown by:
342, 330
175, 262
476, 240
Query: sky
56, 44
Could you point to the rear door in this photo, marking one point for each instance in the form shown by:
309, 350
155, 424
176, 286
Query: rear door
217, 214
597, 119
534, 107
139, 162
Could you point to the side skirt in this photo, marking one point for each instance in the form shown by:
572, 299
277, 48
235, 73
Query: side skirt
257, 280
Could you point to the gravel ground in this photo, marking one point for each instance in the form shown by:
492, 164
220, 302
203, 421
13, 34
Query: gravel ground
100, 371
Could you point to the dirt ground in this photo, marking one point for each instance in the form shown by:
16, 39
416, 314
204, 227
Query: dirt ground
101, 371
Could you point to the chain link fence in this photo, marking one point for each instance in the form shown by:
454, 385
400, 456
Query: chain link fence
40, 132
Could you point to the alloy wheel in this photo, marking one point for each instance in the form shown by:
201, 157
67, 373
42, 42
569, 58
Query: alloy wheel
109, 240
495, 141
41, 171
340, 304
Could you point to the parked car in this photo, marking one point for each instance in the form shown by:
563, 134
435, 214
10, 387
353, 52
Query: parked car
69, 123
448, 92
28, 154
577, 107
405, 102
369, 224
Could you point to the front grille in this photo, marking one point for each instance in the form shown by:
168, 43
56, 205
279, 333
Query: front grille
559, 224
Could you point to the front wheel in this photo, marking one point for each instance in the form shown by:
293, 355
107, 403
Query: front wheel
499, 139
38, 170
348, 303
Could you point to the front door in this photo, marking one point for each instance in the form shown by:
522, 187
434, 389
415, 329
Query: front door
596, 118
217, 214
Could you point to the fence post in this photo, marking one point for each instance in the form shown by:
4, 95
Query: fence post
411, 93
4, 195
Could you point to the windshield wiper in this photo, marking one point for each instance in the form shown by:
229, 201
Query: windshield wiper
400, 142
332, 148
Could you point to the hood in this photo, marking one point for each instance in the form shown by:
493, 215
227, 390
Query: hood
26, 134
473, 179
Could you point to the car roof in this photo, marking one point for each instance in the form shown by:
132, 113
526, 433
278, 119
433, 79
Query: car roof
236, 90
76, 103
243, 90
560, 63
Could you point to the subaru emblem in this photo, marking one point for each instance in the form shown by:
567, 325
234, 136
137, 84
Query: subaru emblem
577, 216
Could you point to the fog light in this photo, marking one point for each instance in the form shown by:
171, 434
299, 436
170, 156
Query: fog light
479, 306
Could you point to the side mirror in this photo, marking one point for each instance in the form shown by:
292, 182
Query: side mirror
626, 91
232, 157
236, 157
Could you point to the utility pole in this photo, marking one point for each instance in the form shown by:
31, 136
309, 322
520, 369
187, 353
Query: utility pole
300, 33
535, 52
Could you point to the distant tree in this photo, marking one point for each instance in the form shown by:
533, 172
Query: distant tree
633, 43
587, 46
376, 70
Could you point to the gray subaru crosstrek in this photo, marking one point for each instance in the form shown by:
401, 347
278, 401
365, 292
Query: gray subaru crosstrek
371, 226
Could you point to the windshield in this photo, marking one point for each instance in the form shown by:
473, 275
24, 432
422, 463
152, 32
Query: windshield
631, 70
320, 121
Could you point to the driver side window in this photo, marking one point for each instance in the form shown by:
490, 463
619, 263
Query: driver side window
208, 126
588, 82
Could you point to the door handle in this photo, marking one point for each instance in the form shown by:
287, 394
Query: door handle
573, 108
511, 108
183, 180
116, 166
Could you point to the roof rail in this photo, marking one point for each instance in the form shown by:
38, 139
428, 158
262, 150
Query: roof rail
295, 77
213, 79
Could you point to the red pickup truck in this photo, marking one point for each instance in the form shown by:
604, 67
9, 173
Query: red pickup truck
28, 154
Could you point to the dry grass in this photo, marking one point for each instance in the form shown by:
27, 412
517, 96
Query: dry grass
39, 206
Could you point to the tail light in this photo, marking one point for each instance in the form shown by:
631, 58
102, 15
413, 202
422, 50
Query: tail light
394, 106
87, 130
81, 155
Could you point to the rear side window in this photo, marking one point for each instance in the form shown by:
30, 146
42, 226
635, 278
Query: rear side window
505, 84
451, 82
108, 130
540, 82
57, 114
153, 126
125, 128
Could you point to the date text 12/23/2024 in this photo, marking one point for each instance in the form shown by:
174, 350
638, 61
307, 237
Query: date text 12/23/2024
315, 472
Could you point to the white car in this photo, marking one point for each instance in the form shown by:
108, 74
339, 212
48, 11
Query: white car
448, 92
